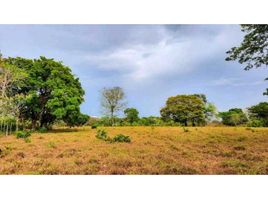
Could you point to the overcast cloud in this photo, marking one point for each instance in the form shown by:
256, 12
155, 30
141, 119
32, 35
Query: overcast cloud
151, 62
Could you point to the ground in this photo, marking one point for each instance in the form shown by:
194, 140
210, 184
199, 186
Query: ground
153, 150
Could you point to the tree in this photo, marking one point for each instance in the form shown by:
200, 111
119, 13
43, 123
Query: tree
184, 109
210, 109
233, 117
259, 112
54, 93
132, 115
253, 51
112, 101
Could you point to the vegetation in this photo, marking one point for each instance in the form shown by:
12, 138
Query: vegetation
132, 115
168, 150
234, 117
185, 109
253, 51
112, 101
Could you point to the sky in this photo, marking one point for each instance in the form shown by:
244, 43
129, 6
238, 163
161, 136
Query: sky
150, 62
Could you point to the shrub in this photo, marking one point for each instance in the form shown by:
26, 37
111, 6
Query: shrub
121, 138
102, 135
256, 123
23, 134
94, 126
42, 130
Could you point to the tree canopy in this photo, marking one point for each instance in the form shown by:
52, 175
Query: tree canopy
132, 115
54, 93
233, 117
253, 51
185, 109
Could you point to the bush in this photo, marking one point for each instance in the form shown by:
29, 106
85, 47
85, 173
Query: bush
185, 129
256, 123
102, 135
42, 130
121, 138
94, 126
27, 140
23, 134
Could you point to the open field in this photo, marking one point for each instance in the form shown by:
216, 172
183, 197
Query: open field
153, 150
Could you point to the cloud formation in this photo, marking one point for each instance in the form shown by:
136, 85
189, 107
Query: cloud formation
151, 62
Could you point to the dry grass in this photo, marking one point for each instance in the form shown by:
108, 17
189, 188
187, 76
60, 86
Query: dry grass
153, 150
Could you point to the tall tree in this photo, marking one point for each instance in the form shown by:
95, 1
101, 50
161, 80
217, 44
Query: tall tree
233, 117
259, 112
185, 109
253, 51
112, 101
54, 93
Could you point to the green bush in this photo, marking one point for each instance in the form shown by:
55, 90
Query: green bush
256, 123
121, 138
27, 140
94, 126
102, 135
23, 134
42, 130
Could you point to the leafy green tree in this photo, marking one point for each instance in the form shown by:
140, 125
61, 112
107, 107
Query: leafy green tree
54, 93
233, 117
112, 101
253, 51
211, 112
259, 112
132, 115
185, 109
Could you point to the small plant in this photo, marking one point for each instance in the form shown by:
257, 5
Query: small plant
52, 145
27, 140
121, 138
94, 126
23, 134
42, 130
185, 129
102, 135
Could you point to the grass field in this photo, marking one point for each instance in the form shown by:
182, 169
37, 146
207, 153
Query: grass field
153, 150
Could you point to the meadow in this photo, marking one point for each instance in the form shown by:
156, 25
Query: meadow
152, 150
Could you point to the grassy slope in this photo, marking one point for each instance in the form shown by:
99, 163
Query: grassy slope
158, 150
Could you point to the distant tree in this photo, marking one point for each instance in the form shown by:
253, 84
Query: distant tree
259, 112
211, 112
54, 93
185, 109
233, 117
132, 115
112, 101
253, 51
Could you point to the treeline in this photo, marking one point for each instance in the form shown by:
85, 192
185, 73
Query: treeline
180, 110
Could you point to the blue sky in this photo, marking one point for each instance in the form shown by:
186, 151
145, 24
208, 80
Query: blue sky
150, 62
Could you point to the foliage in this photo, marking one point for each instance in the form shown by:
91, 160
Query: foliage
102, 135
77, 119
185, 109
132, 115
259, 114
23, 134
112, 101
94, 126
253, 51
233, 117
54, 93
121, 138
42, 130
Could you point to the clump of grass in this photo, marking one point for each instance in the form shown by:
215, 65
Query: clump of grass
27, 140
186, 130
241, 138
51, 145
23, 134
